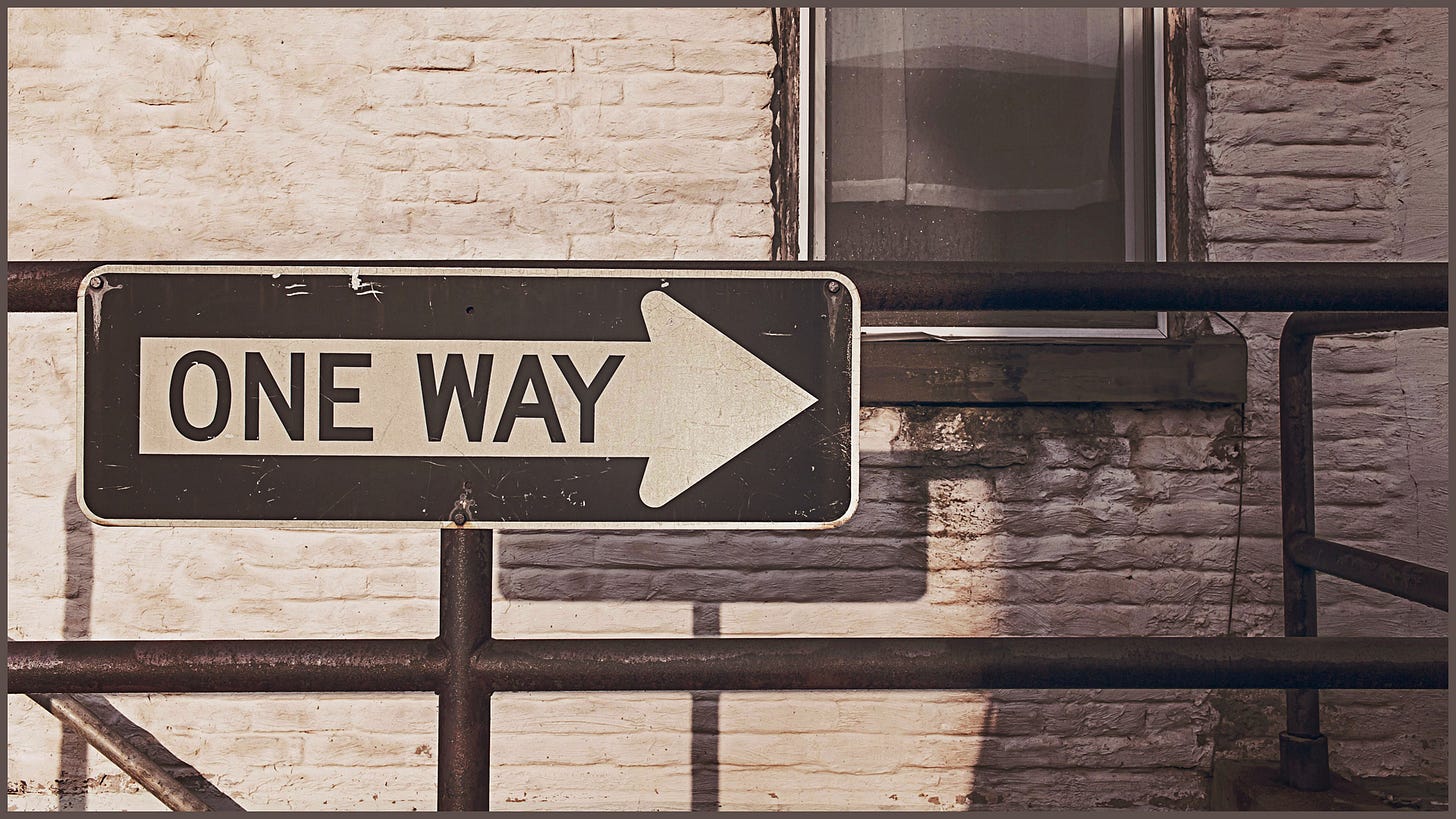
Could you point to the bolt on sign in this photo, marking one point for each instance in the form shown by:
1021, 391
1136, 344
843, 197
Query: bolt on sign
538, 397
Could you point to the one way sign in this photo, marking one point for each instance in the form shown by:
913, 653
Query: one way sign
370, 396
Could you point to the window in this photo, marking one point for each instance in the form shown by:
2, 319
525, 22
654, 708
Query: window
992, 134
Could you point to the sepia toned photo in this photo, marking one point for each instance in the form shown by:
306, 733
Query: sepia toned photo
727, 409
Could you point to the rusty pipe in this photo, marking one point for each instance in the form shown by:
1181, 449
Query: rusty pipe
157, 780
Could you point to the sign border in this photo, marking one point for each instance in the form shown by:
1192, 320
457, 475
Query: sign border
435, 269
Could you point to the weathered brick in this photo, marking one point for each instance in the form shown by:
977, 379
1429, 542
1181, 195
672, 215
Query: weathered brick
369, 751
1021, 520
453, 56
563, 154
673, 219
683, 123
395, 88
430, 154
747, 248
482, 219
1331, 99
1301, 63
461, 187
724, 58
672, 89
1298, 252
747, 92
622, 246
667, 188
416, 120
635, 748
1245, 32
524, 55
588, 90
683, 156
619, 56
1299, 160
566, 218
523, 121
743, 220
1293, 193
1300, 226
1289, 128
477, 88
409, 583
1095, 451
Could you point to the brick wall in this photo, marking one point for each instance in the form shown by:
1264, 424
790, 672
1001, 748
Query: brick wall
1326, 140
442, 133
1326, 133
643, 134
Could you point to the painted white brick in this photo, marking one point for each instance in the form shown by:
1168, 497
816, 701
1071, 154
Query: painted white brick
588, 90
626, 246
639, 134
674, 219
524, 55
673, 89
460, 187
416, 120
434, 55
620, 56
565, 218
525, 121
724, 58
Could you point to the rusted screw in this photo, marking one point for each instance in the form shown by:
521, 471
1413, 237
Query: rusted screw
832, 287
97, 284
458, 517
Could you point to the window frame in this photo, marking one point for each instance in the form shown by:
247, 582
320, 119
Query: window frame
1145, 162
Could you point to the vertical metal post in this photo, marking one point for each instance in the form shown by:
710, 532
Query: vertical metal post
1303, 751
465, 594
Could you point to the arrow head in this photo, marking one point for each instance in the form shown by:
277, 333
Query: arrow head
716, 399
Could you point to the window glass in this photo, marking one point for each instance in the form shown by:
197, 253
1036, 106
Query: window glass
980, 134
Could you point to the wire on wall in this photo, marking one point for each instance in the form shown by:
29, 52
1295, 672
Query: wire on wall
1243, 470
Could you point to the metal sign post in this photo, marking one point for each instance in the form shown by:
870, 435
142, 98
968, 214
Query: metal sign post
256, 396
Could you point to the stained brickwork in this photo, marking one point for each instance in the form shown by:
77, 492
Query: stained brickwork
232, 134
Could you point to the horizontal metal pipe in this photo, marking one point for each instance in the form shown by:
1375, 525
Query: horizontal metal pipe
893, 285
1266, 286
1401, 578
126, 756
961, 663
734, 664
169, 666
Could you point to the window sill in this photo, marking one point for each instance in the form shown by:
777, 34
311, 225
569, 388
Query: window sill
1201, 369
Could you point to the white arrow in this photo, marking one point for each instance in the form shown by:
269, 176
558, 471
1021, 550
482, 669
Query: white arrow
689, 399
714, 399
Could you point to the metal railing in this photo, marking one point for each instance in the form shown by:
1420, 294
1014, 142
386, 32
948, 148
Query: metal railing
464, 665
1304, 761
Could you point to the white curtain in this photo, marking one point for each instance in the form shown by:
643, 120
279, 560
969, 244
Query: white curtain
983, 109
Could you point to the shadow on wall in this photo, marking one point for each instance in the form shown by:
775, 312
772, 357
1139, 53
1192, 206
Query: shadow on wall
879, 555
75, 625
72, 779
1022, 521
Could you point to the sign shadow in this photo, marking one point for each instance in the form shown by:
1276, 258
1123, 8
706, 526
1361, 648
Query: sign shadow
879, 555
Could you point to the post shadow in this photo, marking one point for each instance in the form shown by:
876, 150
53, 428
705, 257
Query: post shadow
71, 783
878, 556
75, 625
